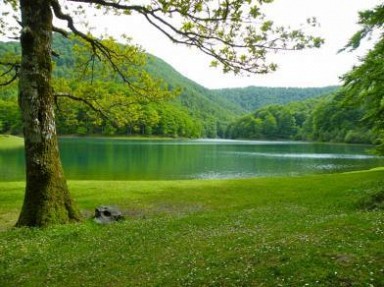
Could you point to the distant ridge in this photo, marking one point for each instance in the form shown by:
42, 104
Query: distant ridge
237, 100
251, 98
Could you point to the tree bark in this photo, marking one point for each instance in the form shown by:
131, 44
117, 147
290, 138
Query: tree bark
47, 200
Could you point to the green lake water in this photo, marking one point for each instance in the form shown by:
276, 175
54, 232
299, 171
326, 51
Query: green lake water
123, 159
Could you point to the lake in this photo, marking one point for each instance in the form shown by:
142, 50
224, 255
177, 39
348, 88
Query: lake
124, 159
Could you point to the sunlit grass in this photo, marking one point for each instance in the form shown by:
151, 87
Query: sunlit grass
8, 142
301, 231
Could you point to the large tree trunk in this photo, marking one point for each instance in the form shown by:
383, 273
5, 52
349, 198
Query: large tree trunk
47, 200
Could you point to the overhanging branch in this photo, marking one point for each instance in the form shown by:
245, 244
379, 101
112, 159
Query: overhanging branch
11, 67
105, 113
88, 103
96, 45
60, 31
225, 30
214, 28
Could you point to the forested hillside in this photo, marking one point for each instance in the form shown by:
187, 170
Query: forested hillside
213, 112
329, 119
194, 112
252, 98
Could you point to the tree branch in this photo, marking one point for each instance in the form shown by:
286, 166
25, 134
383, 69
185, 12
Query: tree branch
6, 83
96, 107
60, 31
203, 33
219, 31
145, 10
13, 67
96, 45
88, 103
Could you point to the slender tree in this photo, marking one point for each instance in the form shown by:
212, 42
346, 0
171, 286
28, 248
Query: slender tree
235, 33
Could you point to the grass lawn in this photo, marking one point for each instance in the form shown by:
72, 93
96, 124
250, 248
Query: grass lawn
325, 230
8, 142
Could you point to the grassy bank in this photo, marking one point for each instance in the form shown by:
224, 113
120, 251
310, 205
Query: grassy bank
304, 231
8, 142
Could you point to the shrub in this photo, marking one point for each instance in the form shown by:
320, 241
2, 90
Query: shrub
374, 198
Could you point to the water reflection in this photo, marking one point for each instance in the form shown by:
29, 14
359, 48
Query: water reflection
121, 159
310, 155
11, 164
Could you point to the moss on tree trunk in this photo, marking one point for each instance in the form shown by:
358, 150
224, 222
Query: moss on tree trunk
47, 200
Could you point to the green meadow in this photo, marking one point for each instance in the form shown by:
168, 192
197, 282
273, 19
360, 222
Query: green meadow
7, 142
325, 230
319, 230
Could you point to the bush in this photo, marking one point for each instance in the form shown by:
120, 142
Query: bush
373, 199
354, 136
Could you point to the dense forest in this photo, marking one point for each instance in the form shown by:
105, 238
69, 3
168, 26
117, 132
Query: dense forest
252, 98
193, 111
327, 118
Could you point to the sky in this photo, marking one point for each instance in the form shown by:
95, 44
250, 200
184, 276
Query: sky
308, 68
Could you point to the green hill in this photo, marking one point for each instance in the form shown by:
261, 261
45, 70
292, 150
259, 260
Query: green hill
201, 103
252, 98
206, 112
235, 101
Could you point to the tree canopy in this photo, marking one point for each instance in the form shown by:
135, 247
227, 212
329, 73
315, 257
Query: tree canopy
235, 33
365, 83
